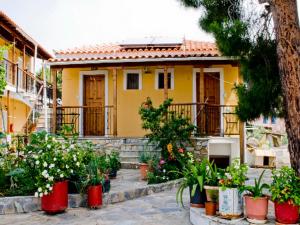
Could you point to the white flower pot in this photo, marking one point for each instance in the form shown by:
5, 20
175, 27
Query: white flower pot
230, 203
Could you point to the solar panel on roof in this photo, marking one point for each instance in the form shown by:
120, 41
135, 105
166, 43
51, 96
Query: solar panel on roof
151, 42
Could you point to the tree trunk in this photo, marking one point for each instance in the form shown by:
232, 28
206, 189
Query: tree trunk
287, 33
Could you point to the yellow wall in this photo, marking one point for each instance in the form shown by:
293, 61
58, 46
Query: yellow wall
18, 113
129, 101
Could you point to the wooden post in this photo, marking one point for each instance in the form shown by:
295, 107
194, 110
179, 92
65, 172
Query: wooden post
54, 76
8, 111
201, 83
45, 96
24, 68
242, 141
13, 81
165, 82
115, 102
241, 127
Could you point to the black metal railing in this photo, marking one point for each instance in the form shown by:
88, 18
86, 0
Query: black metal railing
85, 120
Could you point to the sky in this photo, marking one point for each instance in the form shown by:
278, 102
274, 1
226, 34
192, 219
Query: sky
60, 24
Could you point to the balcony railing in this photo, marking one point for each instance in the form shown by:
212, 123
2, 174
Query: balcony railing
211, 120
22, 80
85, 120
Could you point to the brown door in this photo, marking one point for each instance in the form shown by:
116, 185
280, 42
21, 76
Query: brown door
212, 98
94, 111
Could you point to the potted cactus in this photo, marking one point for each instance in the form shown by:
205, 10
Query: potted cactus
230, 198
256, 202
285, 190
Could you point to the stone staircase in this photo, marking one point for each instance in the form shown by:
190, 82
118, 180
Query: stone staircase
129, 154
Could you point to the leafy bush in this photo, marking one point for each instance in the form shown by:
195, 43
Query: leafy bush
235, 175
285, 186
171, 133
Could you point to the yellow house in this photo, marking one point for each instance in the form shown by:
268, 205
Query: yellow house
24, 91
103, 86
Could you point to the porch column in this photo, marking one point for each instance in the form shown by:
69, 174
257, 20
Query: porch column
8, 110
54, 103
201, 85
45, 96
241, 127
115, 102
165, 82
34, 81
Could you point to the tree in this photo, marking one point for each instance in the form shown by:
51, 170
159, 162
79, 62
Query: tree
265, 36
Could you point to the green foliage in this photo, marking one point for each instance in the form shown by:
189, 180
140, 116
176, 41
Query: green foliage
235, 175
213, 174
256, 190
194, 176
239, 32
113, 160
3, 82
94, 171
166, 127
285, 186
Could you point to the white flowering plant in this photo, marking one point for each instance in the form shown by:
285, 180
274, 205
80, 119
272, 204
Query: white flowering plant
53, 162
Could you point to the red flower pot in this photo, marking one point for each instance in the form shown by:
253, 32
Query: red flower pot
286, 213
95, 196
57, 200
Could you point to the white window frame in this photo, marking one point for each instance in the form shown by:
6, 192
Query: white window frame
158, 71
126, 72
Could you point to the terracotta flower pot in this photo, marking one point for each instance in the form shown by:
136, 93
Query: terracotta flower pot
256, 208
57, 200
212, 194
210, 208
199, 198
286, 213
143, 170
95, 196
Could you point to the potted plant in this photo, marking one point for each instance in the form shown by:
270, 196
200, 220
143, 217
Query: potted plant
144, 159
114, 164
193, 177
54, 165
285, 190
230, 198
106, 184
211, 183
211, 206
256, 202
94, 180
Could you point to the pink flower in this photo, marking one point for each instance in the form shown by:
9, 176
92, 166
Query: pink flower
161, 162
181, 150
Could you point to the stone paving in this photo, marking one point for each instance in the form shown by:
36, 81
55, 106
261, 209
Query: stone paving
156, 209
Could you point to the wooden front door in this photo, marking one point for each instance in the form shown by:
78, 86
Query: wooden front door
212, 98
94, 102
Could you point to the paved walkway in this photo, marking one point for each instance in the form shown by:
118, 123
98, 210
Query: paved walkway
156, 209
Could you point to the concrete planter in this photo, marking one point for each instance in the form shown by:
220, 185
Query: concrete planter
230, 203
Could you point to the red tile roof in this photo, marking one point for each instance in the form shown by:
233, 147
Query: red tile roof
118, 52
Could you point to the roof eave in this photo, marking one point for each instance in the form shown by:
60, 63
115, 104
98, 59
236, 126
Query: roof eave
119, 61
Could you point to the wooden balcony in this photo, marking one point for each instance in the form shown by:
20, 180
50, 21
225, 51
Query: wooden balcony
22, 80
211, 120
